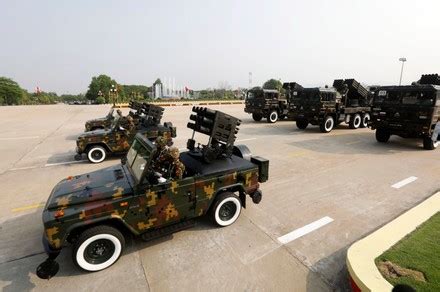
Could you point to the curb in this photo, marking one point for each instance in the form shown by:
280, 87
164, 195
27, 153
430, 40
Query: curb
187, 103
361, 255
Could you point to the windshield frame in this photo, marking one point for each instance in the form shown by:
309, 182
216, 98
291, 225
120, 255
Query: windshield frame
138, 163
403, 97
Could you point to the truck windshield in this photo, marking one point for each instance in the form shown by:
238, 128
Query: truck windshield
137, 158
418, 98
307, 96
406, 98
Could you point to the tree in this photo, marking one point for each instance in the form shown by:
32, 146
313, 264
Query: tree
273, 84
102, 83
11, 93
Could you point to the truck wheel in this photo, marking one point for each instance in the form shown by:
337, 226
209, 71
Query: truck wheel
96, 154
428, 144
327, 124
365, 120
302, 124
382, 135
257, 117
273, 117
226, 209
355, 122
98, 248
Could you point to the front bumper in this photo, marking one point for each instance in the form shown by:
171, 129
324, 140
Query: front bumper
50, 251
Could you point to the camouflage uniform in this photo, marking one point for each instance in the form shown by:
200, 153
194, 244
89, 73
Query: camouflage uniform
160, 156
176, 168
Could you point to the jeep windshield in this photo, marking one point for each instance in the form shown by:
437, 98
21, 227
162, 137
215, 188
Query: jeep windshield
111, 113
137, 159
253, 95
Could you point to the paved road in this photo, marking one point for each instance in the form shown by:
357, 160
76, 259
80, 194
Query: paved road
325, 192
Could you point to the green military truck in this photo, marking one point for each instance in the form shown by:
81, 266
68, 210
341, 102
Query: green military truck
266, 103
94, 211
99, 144
409, 111
347, 101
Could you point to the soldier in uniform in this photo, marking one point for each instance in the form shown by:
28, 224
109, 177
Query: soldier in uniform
130, 124
160, 156
176, 167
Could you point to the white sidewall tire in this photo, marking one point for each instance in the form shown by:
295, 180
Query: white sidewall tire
331, 123
219, 221
273, 117
96, 148
357, 120
365, 120
81, 261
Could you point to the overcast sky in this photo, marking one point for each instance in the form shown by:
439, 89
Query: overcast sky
59, 45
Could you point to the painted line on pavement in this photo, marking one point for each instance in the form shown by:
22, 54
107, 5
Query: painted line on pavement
297, 233
23, 168
244, 140
25, 208
64, 163
404, 182
354, 142
18, 138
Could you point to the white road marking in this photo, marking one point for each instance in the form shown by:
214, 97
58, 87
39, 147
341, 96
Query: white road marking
18, 138
23, 168
244, 140
63, 163
297, 233
404, 182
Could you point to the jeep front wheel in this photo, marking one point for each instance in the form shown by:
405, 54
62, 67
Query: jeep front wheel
382, 135
272, 117
98, 248
257, 117
428, 144
226, 209
96, 154
302, 124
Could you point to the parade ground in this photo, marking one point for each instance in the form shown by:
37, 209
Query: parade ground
325, 191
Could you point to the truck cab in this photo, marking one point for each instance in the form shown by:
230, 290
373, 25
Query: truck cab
266, 103
410, 111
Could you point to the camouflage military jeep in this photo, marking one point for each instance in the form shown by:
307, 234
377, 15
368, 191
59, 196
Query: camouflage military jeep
101, 123
93, 211
98, 144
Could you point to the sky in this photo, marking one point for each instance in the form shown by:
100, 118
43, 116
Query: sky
59, 45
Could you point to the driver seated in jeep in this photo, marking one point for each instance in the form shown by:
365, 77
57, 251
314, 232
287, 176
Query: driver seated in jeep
167, 165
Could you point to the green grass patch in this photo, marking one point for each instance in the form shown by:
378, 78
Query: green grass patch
417, 252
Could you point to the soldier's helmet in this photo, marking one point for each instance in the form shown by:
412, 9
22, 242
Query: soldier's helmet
118, 111
161, 142
130, 119
174, 152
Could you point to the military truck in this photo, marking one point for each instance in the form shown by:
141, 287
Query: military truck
98, 144
347, 101
266, 103
409, 111
94, 211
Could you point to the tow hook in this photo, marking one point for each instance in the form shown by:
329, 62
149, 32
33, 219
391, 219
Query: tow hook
257, 196
48, 268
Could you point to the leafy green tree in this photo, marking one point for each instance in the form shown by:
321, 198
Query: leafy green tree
136, 92
273, 84
100, 100
103, 84
11, 93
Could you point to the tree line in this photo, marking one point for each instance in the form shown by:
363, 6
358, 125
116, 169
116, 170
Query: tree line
104, 89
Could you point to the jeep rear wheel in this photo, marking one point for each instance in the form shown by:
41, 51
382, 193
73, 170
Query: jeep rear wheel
302, 124
96, 154
257, 117
98, 248
428, 144
327, 124
355, 121
365, 120
226, 209
382, 135
272, 117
